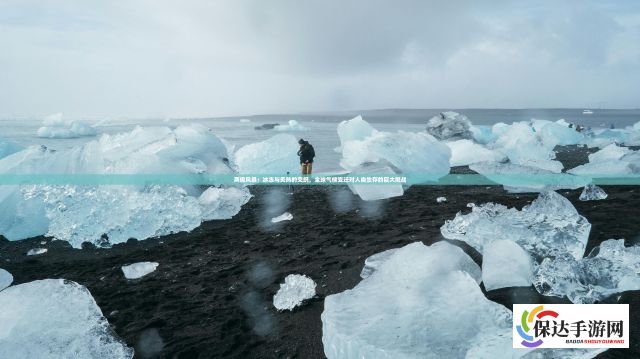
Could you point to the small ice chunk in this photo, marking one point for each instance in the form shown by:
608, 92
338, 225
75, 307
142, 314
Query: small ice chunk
549, 227
5, 279
55, 318
592, 192
36, 251
609, 269
139, 270
506, 264
286, 216
295, 289
441, 199
449, 125
245, 120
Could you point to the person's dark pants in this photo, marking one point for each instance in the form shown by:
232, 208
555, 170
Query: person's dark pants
306, 168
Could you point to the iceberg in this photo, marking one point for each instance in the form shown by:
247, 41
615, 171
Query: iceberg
276, 156
466, 152
610, 161
286, 216
549, 227
374, 192
5, 279
518, 178
55, 127
295, 289
292, 125
139, 270
366, 151
118, 212
55, 318
449, 125
609, 269
592, 192
403, 310
506, 264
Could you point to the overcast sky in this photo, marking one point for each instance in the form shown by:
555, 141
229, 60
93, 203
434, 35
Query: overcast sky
189, 58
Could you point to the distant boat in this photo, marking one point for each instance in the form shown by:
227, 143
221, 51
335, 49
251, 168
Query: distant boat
587, 112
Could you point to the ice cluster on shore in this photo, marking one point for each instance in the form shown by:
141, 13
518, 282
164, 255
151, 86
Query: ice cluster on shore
549, 227
139, 270
105, 214
611, 161
366, 150
295, 289
55, 318
610, 268
55, 127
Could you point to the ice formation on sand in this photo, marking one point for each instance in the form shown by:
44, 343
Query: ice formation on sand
5, 279
449, 125
592, 192
403, 310
139, 270
36, 251
610, 268
295, 289
610, 161
276, 156
7, 148
55, 127
506, 264
292, 125
549, 227
286, 216
466, 152
55, 318
517, 178
367, 151
119, 212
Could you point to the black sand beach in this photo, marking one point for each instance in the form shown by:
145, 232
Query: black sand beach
211, 295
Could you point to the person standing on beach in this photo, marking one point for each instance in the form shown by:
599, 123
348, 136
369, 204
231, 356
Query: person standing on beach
306, 153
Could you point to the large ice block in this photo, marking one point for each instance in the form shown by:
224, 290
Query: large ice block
420, 303
449, 125
5, 279
55, 318
549, 227
610, 268
275, 156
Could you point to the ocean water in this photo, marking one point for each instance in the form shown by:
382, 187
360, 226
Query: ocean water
320, 127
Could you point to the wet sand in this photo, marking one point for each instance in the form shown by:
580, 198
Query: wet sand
212, 294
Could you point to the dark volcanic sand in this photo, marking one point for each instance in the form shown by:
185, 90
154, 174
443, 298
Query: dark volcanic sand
212, 294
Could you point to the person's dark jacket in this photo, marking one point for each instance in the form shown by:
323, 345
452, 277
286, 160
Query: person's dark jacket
306, 153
